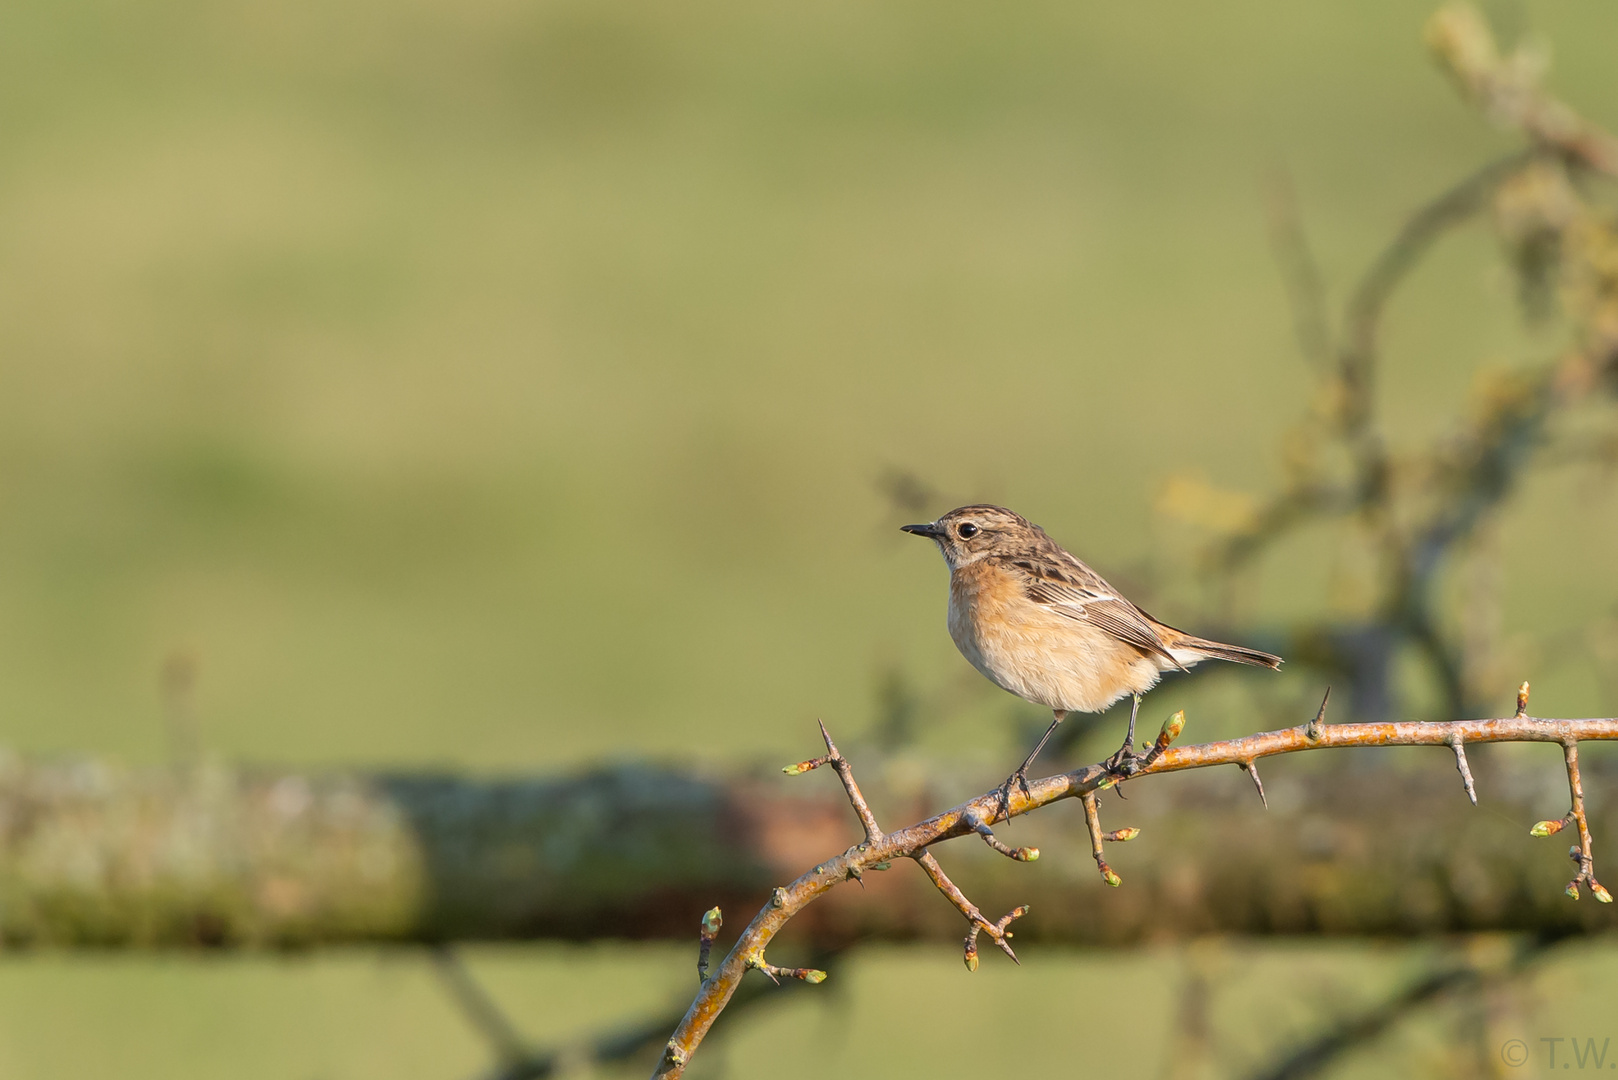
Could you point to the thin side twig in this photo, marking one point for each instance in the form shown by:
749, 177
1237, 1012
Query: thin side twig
996, 930
975, 822
1092, 821
1582, 855
845, 773
712, 920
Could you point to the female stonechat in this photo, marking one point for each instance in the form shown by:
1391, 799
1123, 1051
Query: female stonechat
1038, 622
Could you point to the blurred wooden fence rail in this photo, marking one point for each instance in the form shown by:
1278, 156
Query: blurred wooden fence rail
93, 855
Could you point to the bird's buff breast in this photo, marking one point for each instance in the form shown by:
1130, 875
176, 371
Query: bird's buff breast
1037, 653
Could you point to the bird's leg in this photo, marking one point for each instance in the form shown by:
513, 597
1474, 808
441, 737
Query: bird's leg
1020, 777
1124, 760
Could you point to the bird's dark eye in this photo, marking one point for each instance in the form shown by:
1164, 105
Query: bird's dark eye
966, 530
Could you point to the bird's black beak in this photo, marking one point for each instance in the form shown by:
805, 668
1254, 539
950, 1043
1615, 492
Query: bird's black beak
929, 530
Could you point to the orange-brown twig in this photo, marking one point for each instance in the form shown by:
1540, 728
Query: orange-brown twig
996, 930
845, 773
913, 842
712, 920
1583, 858
1092, 820
974, 821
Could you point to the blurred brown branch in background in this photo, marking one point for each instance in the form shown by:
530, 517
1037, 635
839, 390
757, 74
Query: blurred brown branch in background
1469, 975
96, 857
516, 1059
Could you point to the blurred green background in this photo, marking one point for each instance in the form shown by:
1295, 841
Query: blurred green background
509, 386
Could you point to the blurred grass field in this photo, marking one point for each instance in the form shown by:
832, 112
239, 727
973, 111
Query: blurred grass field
506, 386
364, 1017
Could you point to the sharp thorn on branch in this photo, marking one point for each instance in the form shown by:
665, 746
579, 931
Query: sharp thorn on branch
1463, 768
1319, 722
1251, 769
831, 747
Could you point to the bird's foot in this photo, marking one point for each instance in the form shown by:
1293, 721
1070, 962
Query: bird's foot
1018, 778
1125, 762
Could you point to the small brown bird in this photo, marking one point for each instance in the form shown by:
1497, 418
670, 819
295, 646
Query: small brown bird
1041, 624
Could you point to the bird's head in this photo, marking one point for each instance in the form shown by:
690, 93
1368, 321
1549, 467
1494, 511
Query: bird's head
969, 533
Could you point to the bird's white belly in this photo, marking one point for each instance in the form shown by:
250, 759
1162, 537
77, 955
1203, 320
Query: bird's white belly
1049, 659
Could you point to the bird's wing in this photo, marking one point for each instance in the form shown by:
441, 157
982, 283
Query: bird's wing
1079, 593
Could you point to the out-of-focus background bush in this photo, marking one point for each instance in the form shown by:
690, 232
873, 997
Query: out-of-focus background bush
513, 387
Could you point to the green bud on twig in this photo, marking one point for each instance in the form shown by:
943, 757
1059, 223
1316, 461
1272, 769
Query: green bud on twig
1171, 729
1547, 828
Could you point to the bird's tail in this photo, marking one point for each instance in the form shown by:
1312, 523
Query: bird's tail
1220, 651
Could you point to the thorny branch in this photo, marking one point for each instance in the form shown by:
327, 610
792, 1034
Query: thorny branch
915, 841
